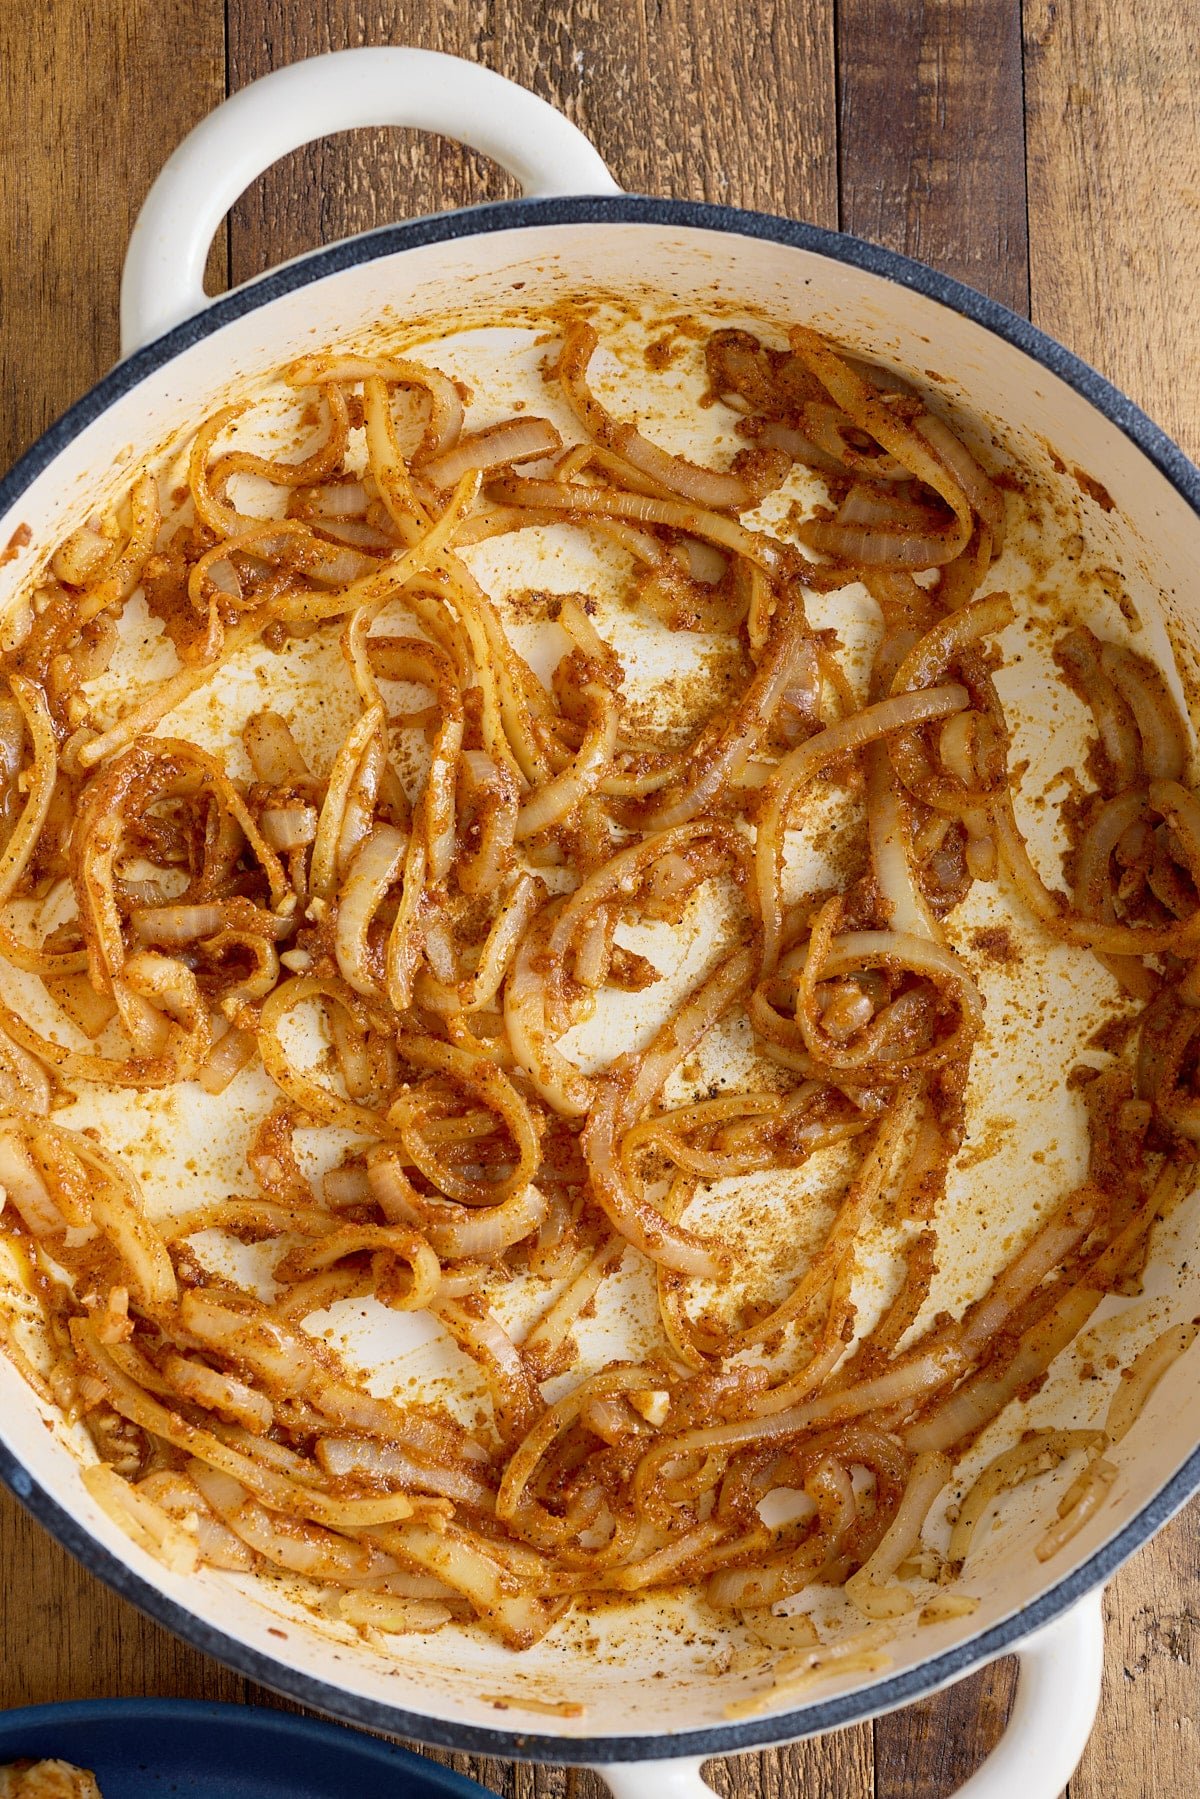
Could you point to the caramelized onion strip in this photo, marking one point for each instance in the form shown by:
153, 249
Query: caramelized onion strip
863, 404
39, 790
703, 486
801, 766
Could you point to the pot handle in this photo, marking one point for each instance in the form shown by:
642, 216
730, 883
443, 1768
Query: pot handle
1058, 1693
163, 281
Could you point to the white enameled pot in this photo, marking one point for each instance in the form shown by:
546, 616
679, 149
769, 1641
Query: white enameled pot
656, 1693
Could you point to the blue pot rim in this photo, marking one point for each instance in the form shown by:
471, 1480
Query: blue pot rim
47, 1723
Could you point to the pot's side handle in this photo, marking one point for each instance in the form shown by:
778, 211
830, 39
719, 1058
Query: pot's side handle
1058, 1692
1058, 1695
680, 1779
163, 282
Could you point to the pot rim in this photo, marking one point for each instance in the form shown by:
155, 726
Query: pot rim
820, 1715
57, 1726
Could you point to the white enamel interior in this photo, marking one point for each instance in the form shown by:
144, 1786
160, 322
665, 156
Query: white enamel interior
661, 1668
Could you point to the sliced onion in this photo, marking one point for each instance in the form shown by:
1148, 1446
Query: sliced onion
26, 1189
558, 1081
142, 1519
515, 1399
1037, 1453
800, 767
452, 1230
290, 1543
273, 751
1080, 654
474, 1568
521, 439
183, 1501
788, 659
225, 1060
288, 828
445, 421
703, 486
930, 1473
1163, 733
573, 497
222, 1393
550, 804
987, 500
1139, 1380
348, 1457
860, 400
87, 553
335, 499
174, 925
44, 773
373, 870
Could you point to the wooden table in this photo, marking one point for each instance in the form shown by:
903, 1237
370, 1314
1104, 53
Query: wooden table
1048, 154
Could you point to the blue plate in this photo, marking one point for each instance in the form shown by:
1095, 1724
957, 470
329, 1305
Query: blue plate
150, 1748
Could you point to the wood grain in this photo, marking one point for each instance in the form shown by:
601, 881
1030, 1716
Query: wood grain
1113, 94
1148, 1739
89, 116
932, 136
735, 103
64, 1636
1113, 146
721, 102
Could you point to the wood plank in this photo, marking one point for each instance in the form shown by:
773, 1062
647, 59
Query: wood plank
65, 1636
932, 136
1114, 206
932, 163
91, 115
1113, 93
929, 1749
718, 102
840, 1765
1146, 1743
